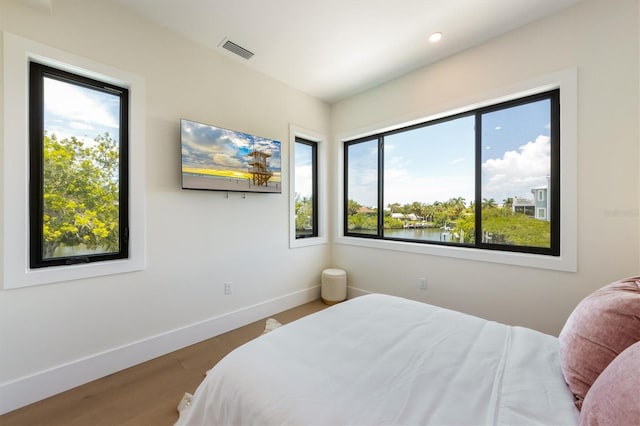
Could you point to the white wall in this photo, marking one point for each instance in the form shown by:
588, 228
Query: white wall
196, 240
600, 39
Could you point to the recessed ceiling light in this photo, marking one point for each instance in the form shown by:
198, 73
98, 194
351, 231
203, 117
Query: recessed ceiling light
435, 37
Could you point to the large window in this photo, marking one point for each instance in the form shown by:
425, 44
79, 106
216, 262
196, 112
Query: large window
306, 188
78, 187
477, 179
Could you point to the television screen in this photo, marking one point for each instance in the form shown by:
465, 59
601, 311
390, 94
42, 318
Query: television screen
220, 159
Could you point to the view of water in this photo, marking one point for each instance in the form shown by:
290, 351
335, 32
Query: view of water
429, 234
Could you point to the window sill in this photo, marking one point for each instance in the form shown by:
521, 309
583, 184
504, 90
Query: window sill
564, 262
307, 242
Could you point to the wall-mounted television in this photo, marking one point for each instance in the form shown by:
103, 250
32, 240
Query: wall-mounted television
218, 159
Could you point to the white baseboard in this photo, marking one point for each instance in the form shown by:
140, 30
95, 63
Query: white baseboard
355, 292
29, 389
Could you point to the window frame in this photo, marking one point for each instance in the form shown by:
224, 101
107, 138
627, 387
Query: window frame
553, 96
18, 52
314, 186
567, 81
37, 73
321, 191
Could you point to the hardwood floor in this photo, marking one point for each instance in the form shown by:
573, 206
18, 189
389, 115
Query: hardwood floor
146, 394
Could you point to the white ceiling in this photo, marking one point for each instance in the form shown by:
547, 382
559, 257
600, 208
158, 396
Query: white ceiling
332, 49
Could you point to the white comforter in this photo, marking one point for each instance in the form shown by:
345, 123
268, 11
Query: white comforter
386, 360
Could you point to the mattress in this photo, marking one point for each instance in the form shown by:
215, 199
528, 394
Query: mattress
385, 360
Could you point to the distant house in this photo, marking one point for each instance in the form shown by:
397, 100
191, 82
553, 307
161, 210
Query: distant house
524, 206
366, 210
401, 216
537, 208
541, 201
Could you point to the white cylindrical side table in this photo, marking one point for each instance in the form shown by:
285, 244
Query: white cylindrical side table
334, 286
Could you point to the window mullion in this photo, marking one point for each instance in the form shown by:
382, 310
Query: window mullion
36, 125
478, 179
315, 201
554, 184
381, 187
345, 189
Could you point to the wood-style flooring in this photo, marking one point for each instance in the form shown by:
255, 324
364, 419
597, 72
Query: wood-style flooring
146, 394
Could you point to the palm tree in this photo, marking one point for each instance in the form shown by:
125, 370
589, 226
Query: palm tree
488, 203
458, 204
416, 207
394, 208
507, 206
352, 207
508, 203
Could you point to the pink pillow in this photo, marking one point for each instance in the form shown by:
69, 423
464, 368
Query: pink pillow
613, 397
604, 324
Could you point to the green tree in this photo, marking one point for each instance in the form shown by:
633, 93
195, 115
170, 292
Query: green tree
394, 207
81, 197
353, 207
416, 208
391, 223
517, 229
304, 214
510, 229
458, 204
489, 203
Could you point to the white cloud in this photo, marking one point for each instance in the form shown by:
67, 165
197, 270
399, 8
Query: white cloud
304, 180
80, 126
239, 141
427, 189
226, 161
78, 104
517, 172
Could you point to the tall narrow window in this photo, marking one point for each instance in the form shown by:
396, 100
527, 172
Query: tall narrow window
487, 178
361, 187
306, 188
78, 189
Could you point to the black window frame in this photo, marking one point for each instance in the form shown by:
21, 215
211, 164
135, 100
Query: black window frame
37, 73
554, 188
314, 186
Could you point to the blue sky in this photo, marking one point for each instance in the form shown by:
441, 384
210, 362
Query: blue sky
72, 110
516, 150
303, 170
436, 163
206, 146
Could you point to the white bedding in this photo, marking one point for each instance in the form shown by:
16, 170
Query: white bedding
380, 359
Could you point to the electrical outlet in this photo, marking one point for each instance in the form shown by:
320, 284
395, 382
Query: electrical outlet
227, 287
422, 283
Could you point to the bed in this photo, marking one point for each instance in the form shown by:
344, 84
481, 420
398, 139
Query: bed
380, 359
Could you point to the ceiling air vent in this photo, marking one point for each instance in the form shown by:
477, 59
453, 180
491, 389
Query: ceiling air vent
238, 50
